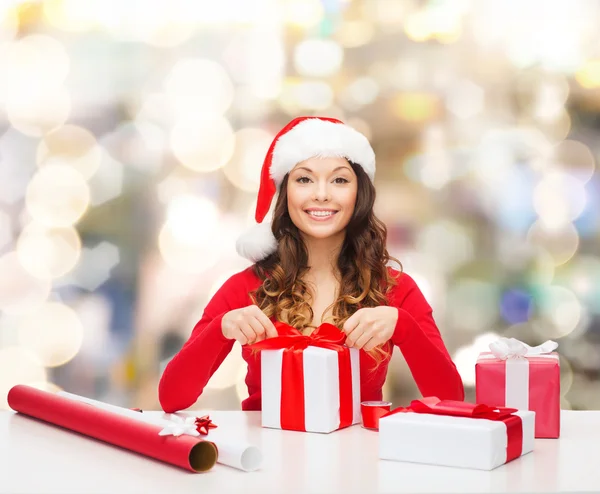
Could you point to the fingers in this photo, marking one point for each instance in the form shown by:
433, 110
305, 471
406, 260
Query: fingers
352, 322
246, 334
353, 336
267, 324
371, 344
258, 328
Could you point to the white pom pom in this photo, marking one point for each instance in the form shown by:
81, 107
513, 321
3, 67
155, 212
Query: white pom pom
257, 243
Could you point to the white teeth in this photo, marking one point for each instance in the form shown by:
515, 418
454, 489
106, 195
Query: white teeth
321, 213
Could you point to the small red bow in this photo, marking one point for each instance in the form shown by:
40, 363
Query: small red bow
203, 424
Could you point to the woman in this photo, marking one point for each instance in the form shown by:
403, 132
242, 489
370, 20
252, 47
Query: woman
323, 259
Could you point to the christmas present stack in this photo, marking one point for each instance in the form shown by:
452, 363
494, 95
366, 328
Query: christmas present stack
455, 434
311, 382
518, 376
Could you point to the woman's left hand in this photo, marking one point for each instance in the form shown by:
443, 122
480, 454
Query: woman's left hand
370, 327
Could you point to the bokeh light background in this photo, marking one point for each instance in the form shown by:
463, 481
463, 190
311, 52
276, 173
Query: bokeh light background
132, 135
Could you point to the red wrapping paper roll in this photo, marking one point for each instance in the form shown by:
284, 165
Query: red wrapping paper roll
184, 451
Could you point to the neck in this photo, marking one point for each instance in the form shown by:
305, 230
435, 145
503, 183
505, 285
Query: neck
323, 254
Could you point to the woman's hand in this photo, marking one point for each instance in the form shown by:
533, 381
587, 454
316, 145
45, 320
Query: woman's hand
247, 325
370, 327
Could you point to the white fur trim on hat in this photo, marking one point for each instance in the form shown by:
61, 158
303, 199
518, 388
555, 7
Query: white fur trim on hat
319, 138
257, 242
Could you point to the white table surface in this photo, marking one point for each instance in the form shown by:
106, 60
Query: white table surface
36, 457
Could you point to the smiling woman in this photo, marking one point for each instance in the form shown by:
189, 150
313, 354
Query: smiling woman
323, 258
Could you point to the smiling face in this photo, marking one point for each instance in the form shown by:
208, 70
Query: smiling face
321, 195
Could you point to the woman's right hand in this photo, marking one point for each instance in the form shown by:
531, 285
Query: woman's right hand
247, 325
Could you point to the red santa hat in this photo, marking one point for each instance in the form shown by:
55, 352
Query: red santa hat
299, 140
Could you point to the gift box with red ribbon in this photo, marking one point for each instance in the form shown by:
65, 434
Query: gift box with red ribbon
455, 434
526, 378
310, 382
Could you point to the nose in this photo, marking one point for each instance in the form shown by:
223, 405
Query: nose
321, 191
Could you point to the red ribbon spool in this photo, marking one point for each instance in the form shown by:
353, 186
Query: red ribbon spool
372, 411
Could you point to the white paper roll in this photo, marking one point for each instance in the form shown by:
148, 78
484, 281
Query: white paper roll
240, 455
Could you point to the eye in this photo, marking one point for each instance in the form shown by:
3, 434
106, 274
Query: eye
303, 180
341, 180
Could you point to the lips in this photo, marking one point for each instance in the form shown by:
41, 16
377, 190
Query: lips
321, 214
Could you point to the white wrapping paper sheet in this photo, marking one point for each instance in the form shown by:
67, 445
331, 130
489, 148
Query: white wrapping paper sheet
321, 388
449, 441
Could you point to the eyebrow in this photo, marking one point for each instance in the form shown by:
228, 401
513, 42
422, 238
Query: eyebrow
342, 167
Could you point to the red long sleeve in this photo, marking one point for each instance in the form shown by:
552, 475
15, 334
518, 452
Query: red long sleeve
421, 344
186, 375
416, 334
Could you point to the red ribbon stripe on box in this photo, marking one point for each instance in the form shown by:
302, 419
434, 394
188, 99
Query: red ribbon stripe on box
293, 343
514, 425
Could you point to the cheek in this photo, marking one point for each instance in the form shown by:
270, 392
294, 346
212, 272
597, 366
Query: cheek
349, 201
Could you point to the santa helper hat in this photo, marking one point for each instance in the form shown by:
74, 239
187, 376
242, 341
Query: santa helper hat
299, 140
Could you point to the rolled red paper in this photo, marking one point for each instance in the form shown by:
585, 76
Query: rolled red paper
185, 451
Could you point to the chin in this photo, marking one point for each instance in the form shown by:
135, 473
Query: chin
319, 234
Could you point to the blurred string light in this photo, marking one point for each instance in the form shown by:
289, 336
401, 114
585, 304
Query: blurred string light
582, 276
354, 33
303, 13
57, 196
94, 267
428, 275
440, 20
588, 75
20, 291
561, 243
199, 92
203, 142
48, 252
436, 165
9, 22
73, 146
560, 311
18, 366
243, 169
465, 99
53, 333
558, 200
533, 262
472, 305
557, 43
300, 94
140, 144
35, 68
6, 234
107, 182
416, 107
516, 305
359, 93
446, 241
256, 60
465, 357
575, 159
227, 374
198, 86
162, 25
318, 57
187, 239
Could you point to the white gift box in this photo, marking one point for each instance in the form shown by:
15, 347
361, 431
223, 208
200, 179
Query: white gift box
450, 441
321, 388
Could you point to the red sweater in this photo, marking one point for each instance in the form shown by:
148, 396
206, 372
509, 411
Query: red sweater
416, 335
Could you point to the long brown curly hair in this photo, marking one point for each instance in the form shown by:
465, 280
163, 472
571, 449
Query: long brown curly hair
364, 280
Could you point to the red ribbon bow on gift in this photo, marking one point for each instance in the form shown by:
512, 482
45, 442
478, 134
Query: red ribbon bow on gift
203, 424
293, 343
435, 406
